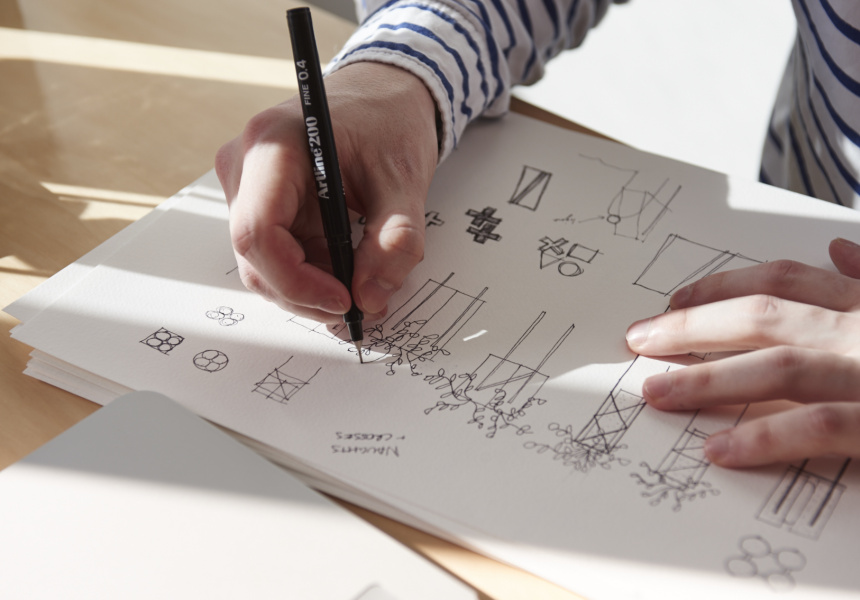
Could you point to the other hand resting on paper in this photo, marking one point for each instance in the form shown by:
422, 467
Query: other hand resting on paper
802, 327
385, 131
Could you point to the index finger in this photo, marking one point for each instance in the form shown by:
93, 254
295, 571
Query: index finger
786, 279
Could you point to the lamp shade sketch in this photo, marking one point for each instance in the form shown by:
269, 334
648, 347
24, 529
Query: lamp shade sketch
680, 261
635, 207
423, 325
679, 476
498, 393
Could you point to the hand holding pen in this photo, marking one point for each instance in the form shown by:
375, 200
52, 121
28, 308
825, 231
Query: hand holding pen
384, 126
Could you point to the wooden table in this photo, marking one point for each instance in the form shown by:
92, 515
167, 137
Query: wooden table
108, 108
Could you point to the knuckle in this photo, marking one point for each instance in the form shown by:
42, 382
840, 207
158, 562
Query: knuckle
702, 376
824, 423
259, 126
252, 281
224, 160
764, 306
245, 238
406, 240
787, 360
779, 274
787, 364
763, 440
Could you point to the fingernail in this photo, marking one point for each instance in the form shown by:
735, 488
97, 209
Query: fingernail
637, 334
717, 447
847, 243
657, 387
681, 297
334, 306
374, 295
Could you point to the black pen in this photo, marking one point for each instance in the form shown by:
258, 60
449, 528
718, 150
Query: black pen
326, 171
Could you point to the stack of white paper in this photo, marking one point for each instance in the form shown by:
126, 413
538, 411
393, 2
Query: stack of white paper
498, 405
143, 500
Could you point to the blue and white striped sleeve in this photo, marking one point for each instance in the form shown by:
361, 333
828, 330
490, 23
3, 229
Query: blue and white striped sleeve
469, 52
813, 141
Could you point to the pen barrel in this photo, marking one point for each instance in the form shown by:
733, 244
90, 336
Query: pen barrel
323, 155
342, 267
320, 135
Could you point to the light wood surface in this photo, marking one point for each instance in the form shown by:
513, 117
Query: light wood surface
106, 109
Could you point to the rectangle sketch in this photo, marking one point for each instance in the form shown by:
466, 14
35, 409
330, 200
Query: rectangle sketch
283, 382
530, 188
805, 497
680, 261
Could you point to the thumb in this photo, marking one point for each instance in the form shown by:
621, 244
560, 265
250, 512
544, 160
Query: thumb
846, 256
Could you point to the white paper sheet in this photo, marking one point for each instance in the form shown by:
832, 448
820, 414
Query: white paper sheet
498, 401
143, 500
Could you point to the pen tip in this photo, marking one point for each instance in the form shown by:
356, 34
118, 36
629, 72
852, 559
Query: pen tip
358, 349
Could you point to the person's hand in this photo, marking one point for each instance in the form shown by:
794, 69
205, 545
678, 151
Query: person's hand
385, 132
801, 326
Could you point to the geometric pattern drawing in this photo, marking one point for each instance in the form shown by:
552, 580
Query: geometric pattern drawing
552, 252
504, 378
483, 225
634, 212
805, 497
163, 340
500, 390
679, 475
422, 326
225, 316
603, 433
330, 331
281, 384
680, 261
530, 188
210, 360
758, 559
598, 441
432, 218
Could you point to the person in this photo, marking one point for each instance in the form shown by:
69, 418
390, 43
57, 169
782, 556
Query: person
402, 91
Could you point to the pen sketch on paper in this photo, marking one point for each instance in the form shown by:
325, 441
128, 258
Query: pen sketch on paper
210, 361
552, 252
421, 328
330, 331
805, 497
598, 442
282, 383
499, 392
680, 261
483, 225
757, 559
530, 188
431, 218
636, 208
163, 340
225, 316
679, 475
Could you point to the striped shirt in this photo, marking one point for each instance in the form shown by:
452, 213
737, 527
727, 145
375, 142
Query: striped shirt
470, 53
